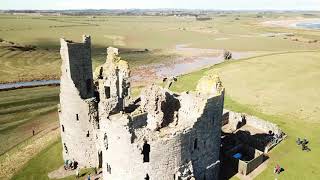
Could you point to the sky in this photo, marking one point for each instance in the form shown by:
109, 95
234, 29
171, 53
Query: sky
156, 4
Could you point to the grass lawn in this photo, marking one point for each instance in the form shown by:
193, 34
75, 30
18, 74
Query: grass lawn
297, 164
158, 34
22, 110
46, 161
282, 89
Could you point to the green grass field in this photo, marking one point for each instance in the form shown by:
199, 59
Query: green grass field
158, 34
46, 161
23, 110
242, 98
282, 89
281, 86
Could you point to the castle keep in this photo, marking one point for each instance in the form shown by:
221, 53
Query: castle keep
160, 135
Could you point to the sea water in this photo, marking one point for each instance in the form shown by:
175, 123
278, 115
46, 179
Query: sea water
312, 25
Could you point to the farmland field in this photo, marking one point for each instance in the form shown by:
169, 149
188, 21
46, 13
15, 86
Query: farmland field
280, 82
159, 35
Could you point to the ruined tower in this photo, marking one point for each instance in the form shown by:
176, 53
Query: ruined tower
78, 106
159, 135
168, 136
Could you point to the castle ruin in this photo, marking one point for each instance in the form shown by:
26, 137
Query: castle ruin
159, 135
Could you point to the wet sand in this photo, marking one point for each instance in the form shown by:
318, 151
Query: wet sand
183, 65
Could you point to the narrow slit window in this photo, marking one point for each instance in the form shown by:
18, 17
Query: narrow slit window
77, 117
107, 92
195, 144
62, 127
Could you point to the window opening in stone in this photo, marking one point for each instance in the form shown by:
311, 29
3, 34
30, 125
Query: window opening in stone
100, 159
77, 117
100, 73
195, 144
147, 177
88, 134
62, 128
146, 152
105, 140
107, 92
65, 148
108, 168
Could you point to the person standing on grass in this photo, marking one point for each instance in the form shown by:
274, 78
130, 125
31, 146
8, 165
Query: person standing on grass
89, 177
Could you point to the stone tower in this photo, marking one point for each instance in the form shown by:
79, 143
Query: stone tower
168, 137
78, 107
159, 135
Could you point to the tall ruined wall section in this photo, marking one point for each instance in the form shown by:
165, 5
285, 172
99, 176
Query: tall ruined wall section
78, 107
112, 81
176, 137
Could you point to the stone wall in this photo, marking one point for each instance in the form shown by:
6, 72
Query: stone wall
188, 148
78, 107
164, 136
235, 119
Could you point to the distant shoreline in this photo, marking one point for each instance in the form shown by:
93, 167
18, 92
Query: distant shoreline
291, 23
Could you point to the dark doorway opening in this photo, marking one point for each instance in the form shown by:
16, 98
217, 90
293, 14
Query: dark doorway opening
100, 159
147, 177
146, 152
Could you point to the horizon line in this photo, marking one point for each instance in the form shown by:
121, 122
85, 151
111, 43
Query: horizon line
188, 9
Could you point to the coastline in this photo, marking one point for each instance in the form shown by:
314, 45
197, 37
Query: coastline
291, 23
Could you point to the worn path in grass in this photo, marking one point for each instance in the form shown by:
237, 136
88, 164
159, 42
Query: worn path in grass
15, 159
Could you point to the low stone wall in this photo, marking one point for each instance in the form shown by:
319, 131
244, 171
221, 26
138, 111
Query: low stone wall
246, 167
235, 119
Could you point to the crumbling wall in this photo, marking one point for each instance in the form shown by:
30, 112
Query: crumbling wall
241, 118
169, 136
78, 107
77, 65
162, 107
112, 80
186, 147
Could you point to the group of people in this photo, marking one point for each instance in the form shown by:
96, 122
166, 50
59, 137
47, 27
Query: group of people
303, 143
70, 165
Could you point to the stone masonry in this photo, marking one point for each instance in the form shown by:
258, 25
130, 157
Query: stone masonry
160, 135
